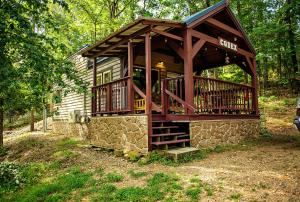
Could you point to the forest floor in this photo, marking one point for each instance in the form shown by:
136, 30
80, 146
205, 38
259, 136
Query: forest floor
68, 169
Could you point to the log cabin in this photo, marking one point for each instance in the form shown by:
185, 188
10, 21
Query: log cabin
148, 91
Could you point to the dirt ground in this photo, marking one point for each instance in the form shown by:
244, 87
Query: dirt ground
268, 170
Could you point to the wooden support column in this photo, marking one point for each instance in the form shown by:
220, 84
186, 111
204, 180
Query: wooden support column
188, 70
130, 75
94, 95
252, 65
254, 84
148, 87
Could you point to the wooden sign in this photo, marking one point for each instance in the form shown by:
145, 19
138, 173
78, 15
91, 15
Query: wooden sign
227, 44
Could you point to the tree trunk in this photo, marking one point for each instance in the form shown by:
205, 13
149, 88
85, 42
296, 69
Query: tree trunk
1, 121
32, 120
291, 38
44, 119
265, 73
279, 64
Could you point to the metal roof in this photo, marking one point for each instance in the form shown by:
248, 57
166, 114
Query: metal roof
201, 13
115, 43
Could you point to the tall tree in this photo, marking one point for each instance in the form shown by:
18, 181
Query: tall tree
31, 61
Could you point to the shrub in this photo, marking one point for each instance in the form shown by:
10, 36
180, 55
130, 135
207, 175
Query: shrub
3, 151
11, 175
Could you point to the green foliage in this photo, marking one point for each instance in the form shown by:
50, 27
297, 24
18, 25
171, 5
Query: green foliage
3, 151
193, 192
235, 196
59, 188
134, 155
114, 177
134, 194
136, 174
13, 176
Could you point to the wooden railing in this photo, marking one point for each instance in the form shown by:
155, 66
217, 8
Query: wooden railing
111, 97
173, 96
222, 97
211, 96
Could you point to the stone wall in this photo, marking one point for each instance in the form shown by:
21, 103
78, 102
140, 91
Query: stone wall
70, 129
121, 133
209, 133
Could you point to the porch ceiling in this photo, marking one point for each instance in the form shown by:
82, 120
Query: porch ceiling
115, 44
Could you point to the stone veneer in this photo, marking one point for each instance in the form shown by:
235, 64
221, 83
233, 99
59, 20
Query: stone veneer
209, 133
70, 129
121, 133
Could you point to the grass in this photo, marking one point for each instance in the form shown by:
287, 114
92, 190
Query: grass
136, 174
235, 196
114, 177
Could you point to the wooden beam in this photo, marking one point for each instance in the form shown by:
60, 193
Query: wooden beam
223, 26
250, 65
124, 40
254, 84
95, 71
197, 46
148, 87
94, 99
169, 35
130, 75
188, 70
215, 42
176, 48
162, 23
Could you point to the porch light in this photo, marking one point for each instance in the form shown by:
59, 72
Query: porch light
227, 59
160, 66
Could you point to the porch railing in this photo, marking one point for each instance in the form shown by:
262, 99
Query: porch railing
111, 97
217, 96
211, 96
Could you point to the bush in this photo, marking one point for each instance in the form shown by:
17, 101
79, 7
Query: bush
11, 175
3, 151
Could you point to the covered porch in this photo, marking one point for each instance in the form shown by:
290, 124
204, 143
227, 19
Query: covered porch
163, 62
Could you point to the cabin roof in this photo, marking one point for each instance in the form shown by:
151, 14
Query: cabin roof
130, 31
196, 16
116, 43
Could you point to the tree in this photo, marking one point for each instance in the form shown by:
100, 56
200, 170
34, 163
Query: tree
32, 61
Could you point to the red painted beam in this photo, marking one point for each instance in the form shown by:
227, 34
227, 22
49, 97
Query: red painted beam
215, 42
148, 87
224, 27
130, 75
188, 70
169, 35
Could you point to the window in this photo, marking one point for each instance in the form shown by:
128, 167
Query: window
107, 76
99, 79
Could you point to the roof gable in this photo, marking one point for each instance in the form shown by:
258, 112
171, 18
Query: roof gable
201, 16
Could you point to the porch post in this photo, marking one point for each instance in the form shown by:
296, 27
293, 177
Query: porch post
254, 85
94, 95
148, 87
188, 70
130, 75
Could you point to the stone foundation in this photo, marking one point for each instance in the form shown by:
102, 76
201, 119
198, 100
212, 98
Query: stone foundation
70, 129
121, 133
209, 133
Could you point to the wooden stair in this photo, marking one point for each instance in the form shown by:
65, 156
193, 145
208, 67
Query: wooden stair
167, 134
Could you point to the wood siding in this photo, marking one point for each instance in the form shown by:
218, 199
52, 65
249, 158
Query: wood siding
75, 101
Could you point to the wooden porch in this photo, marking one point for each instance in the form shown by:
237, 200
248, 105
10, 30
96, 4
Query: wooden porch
205, 40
